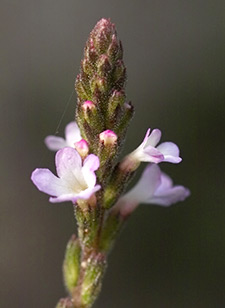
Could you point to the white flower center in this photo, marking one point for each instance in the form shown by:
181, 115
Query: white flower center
79, 183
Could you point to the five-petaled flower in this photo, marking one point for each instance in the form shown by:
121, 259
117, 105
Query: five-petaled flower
76, 180
72, 135
148, 151
154, 187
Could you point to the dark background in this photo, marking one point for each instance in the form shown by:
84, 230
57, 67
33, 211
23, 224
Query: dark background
174, 52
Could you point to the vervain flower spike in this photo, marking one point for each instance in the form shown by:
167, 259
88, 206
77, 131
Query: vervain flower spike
88, 171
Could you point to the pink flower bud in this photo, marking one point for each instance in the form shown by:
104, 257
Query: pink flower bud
88, 105
82, 148
108, 137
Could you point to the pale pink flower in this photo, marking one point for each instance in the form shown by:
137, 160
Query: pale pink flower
154, 187
148, 151
72, 135
76, 180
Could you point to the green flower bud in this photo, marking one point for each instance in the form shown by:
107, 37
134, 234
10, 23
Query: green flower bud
89, 111
82, 91
126, 116
116, 100
119, 74
102, 80
102, 35
90, 122
71, 265
94, 269
98, 86
115, 50
102, 69
87, 67
90, 53
103, 66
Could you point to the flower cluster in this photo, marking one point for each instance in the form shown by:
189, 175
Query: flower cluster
77, 180
88, 172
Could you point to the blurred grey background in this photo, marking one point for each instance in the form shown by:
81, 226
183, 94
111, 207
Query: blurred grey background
175, 57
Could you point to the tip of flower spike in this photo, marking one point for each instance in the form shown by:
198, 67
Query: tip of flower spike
104, 23
108, 137
101, 35
82, 148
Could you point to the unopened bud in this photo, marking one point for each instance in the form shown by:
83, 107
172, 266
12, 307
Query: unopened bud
87, 67
127, 115
103, 66
90, 121
120, 74
116, 99
82, 148
108, 138
82, 91
91, 286
102, 85
108, 148
89, 111
115, 50
102, 34
71, 265
98, 85
88, 105
101, 81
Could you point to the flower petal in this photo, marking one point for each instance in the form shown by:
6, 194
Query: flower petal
55, 143
170, 151
151, 155
72, 134
62, 198
68, 162
85, 194
166, 182
142, 145
48, 183
146, 152
146, 186
170, 196
145, 139
91, 163
154, 137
